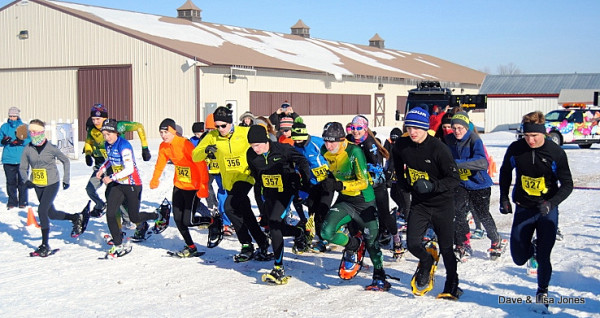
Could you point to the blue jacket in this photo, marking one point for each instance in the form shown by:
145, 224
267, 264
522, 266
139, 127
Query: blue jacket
470, 158
312, 151
12, 153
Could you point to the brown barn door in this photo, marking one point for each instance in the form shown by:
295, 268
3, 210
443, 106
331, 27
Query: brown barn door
379, 110
110, 86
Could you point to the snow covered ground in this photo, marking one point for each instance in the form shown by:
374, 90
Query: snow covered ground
74, 282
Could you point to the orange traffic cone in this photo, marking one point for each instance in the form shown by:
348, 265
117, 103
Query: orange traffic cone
31, 219
492, 169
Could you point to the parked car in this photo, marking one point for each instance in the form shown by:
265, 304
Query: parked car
576, 124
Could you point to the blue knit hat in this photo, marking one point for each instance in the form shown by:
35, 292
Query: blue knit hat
417, 117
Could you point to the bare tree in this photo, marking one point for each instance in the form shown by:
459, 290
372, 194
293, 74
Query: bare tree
486, 70
508, 69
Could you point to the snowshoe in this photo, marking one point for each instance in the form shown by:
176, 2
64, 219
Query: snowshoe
186, 252
352, 261
451, 290
43, 251
98, 212
532, 266
141, 233
215, 231
320, 246
245, 255
497, 249
379, 283
310, 229
118, 251
263, 255
301, 243
420, 284
108, 238
398, 251
164, 213
276, 276
228, 230
477, 234
80, 224
385, 238
76, 231
463, 252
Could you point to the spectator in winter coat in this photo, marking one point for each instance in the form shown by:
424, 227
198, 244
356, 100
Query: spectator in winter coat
284, 111
14, 145
246, 119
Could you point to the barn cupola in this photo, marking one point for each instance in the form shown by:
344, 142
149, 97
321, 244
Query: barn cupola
189, 11
376, 41
301, 29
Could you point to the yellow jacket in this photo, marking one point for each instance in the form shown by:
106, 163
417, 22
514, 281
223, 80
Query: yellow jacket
231, 155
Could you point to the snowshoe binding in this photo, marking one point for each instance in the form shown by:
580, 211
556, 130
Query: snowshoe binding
463, 252
451, 290
497, 249
276, 276
301, 242
186, 252
43, 251
320, 246
352, 261
398, 251
477, 234
215, 231
108, 238
141, 233
164, 213
379, 283
532, 264
98, 211
310, 229
245, 255
118, 251
423, 279
262, 254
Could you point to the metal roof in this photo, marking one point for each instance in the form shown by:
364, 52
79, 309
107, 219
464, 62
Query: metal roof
218, 44
524, 84
585, 96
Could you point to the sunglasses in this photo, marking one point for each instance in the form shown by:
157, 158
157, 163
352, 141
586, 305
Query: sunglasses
221, 126
359, 128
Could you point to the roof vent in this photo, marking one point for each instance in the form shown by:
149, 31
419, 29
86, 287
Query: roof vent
189, 11
376, 41
301, 29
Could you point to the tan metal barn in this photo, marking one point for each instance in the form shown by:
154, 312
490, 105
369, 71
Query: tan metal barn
59, 58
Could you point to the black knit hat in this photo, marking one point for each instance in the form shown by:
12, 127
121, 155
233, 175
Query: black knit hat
257, 134
334, 131
299, 131
166, 123
98, 110
395, 134
223, 114
110, 124
198, 127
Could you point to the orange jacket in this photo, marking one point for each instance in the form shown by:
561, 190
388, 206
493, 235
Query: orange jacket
189, 175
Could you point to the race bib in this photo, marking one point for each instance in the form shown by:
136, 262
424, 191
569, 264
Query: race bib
233, 163
414, 175
534, 186
272, 181
184, 174
213, 167
103, 152
116, 169
40, 177
320, 172
464, 174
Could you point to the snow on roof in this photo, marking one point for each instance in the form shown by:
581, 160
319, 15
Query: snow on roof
271, 49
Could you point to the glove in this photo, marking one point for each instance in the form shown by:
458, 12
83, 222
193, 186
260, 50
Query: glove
423, 186
210, 151
154, 184
17, 142
65, 186
89, 160
505, 207
146, 154
29, 184
302, 195
6, 140
330, 184
544, 207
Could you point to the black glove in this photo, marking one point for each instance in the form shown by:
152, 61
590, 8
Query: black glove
505, 207
210, 151
146, 154
17, 142
89, 160
544, 207
65, 186
6, 140
423, 186
29, 184
330, 184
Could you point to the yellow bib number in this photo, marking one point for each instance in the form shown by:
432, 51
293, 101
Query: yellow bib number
233, 163
184, 174
272, 181
414, 175
116, 169
534, 186
103, 152
213, 167
464, 174
320, 172
40, 177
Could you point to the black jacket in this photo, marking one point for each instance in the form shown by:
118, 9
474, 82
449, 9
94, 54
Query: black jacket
532, 165
275, 171
431, 158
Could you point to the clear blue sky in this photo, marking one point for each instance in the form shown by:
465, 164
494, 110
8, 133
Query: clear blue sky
538, 37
